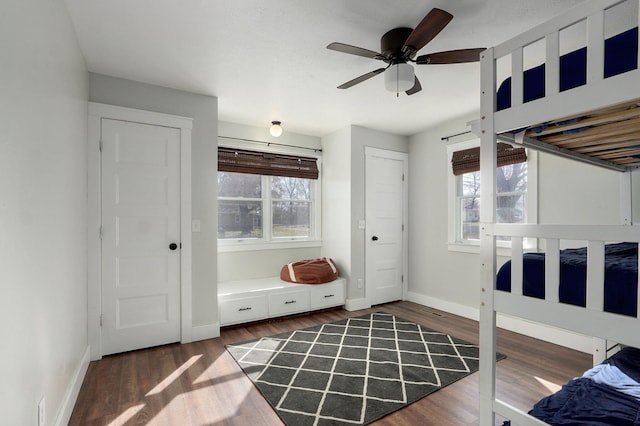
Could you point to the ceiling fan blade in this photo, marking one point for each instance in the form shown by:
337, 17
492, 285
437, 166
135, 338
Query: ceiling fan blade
451, 57
416, 87
360, 79
353, 50
427, 29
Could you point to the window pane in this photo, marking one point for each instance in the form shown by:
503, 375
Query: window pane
511, 178
239, 219
510, 208
291, 219
287, 188
470, 184
470, 211
239, 185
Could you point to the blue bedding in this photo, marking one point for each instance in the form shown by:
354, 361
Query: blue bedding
620, 55
621, 275
585, 401
597, 398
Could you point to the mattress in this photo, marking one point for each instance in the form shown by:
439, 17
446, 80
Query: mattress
621, 276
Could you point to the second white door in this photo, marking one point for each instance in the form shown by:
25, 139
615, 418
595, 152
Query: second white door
385, 211
140, 235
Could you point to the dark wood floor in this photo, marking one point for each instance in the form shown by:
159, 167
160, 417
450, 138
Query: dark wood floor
200, 384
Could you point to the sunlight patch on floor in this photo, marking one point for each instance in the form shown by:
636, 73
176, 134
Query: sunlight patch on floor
552, 387
171, 377
212, 371
127, 415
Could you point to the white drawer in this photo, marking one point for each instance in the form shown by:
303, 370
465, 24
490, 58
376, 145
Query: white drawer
243, 310
288, 302
325, 295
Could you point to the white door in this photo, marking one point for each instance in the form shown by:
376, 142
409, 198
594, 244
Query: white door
140, 235
384, 211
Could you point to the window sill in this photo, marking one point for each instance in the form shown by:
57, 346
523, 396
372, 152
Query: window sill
247, 245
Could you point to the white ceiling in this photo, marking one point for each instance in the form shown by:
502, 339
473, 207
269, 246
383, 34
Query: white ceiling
267, 59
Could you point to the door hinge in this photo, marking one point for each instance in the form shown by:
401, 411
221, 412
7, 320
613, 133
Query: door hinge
101, 318
402, 278
403, 227
403, 177
100, 232
100, 145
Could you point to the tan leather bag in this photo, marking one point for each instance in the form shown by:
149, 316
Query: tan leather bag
312, 271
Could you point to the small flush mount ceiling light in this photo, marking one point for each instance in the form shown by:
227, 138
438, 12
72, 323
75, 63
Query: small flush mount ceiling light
275, 129
399, 78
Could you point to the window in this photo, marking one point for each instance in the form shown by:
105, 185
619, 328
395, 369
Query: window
240, 206
265, 209
515, 190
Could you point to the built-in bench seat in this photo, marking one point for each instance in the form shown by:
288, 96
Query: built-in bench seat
256, 299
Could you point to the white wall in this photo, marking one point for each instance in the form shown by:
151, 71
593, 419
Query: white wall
434, 271
43, 213
576, 193
263, 263
336, 196
204, 155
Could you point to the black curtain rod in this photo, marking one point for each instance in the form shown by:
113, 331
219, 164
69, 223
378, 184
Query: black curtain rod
271, 143
446, 138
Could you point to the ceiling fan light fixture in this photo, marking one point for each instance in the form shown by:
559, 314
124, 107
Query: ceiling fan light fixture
399, 78
275, 129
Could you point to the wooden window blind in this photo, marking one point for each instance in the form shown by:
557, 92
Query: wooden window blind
266, 163
468, 160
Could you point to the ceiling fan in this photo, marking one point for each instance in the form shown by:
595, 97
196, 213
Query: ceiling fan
399, 46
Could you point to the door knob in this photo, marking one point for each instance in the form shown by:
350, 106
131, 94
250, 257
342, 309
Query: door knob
374, 238
173, 246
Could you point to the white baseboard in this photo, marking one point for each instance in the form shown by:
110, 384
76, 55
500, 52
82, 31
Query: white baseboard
444, 305
554, 335
203, 332
71, 395
356, 304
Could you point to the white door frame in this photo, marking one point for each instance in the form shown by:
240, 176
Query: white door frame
404, 157
94, 263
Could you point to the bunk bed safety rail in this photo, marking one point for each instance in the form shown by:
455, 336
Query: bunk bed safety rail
517, 117
589, 321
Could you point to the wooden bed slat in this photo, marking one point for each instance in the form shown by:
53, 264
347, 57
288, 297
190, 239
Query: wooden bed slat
617, 115
594, 133
634, 140
618, 153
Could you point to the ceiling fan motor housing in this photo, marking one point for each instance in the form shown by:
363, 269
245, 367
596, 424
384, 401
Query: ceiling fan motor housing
391, 45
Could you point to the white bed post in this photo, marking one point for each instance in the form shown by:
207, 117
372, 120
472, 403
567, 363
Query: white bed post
626, 218
487, 240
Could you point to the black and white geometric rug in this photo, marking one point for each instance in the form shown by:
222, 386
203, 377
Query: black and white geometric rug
352, 371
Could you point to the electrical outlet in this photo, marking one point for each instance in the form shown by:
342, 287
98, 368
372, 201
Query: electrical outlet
360, 283
196, 225
41, 412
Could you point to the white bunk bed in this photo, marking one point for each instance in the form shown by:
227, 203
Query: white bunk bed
592, 100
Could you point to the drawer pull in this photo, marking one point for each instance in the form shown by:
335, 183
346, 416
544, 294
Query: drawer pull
248, 308
326, 296
289, 302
